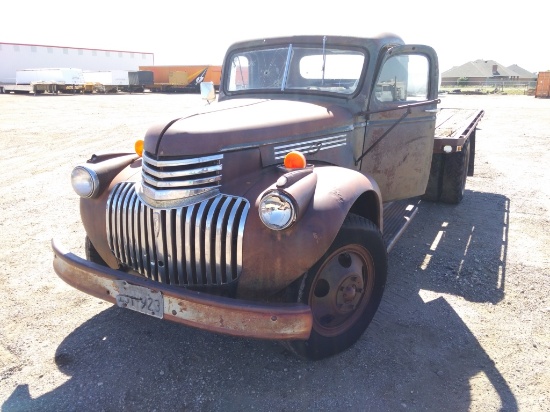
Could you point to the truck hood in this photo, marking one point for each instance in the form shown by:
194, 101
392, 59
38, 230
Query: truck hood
242, 123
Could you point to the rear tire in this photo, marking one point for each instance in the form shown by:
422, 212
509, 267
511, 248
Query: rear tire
472, 158
433, 189
344, 289
455, 172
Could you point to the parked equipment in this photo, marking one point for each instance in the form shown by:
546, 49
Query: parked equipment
177, 79
543, 85
47, 80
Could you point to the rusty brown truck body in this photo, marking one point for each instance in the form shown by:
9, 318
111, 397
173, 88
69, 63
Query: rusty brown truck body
270, 212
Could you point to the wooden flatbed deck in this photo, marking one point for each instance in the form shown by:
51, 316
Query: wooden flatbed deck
453, 123
453, 127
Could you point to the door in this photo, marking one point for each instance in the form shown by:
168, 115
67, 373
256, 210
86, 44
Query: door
399, 135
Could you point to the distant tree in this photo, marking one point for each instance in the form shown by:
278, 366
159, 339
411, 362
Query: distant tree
462, 81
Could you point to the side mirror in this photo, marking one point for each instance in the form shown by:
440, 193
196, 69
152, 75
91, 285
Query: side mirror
208, 92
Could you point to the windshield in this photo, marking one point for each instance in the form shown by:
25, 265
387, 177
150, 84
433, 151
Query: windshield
288, 68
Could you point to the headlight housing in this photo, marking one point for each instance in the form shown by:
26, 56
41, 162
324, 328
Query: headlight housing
277, 210
84, 181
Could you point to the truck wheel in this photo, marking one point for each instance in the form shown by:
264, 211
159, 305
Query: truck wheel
455, 171
343, 289
91, 253
472, 157
433, 189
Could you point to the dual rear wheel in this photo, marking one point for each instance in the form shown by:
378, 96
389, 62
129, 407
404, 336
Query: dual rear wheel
448, 174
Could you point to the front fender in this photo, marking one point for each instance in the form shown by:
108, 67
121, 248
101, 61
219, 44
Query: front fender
92, 210
274, 259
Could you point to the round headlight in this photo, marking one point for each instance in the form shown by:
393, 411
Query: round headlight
85, 181
277, 211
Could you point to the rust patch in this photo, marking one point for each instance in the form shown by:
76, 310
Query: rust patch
337, 195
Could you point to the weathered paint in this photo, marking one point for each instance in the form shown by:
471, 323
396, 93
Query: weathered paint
213, 313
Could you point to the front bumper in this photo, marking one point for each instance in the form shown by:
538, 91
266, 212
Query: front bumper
281, 321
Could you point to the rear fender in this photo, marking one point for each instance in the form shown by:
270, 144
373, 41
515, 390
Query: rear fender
272, 259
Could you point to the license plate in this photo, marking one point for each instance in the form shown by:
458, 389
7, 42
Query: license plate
140, 299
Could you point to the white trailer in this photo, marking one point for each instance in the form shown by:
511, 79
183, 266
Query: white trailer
51, 80
54, 75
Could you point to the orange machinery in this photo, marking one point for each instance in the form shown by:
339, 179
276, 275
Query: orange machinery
182, 78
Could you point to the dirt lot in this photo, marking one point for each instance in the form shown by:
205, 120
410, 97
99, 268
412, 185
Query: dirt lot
463, 325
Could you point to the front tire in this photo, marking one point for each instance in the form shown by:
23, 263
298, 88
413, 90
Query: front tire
344, 289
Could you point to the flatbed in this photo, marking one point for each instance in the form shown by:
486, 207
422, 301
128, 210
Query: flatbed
453, 127
34, 88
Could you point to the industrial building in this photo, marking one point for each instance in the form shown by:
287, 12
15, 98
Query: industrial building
17, 56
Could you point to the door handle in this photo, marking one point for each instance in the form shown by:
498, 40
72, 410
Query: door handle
431, 110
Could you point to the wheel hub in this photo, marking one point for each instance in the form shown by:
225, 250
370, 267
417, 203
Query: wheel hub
340, 289
349, 293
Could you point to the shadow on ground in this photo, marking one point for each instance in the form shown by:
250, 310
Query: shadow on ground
418, 354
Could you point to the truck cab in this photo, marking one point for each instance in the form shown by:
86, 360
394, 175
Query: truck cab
263, 214
375, 82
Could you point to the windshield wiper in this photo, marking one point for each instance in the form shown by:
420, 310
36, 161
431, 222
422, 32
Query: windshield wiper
324, 59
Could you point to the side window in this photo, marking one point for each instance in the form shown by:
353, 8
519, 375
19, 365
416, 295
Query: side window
403, 78
238, 77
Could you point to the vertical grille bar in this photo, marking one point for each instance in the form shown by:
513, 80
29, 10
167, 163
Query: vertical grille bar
112, 218
159, 229
238, 249
108, 218
120, 217
124, 220
232, 260
170, 248
210, 244
144, 251
190, 246
131, 229
199, 244
180, 227
220, 241
137, 235
150, 232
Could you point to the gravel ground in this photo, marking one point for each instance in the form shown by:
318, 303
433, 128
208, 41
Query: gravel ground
462, 325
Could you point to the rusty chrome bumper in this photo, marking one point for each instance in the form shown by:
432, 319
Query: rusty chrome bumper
213, 313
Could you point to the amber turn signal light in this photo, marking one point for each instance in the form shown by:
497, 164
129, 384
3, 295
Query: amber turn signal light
295, 160
139, 147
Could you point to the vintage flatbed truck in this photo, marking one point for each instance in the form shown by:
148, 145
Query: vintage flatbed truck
270, 212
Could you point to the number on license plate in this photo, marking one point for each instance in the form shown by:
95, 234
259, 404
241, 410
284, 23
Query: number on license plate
140, 299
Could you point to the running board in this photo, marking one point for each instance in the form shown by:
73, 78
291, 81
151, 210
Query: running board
397, 216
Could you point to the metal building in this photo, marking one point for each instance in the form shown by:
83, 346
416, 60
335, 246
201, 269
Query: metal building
17, 56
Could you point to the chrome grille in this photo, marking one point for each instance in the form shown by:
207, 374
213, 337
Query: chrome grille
199, 244
180, 178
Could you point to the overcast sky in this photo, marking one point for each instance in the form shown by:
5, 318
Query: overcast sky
199, 32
